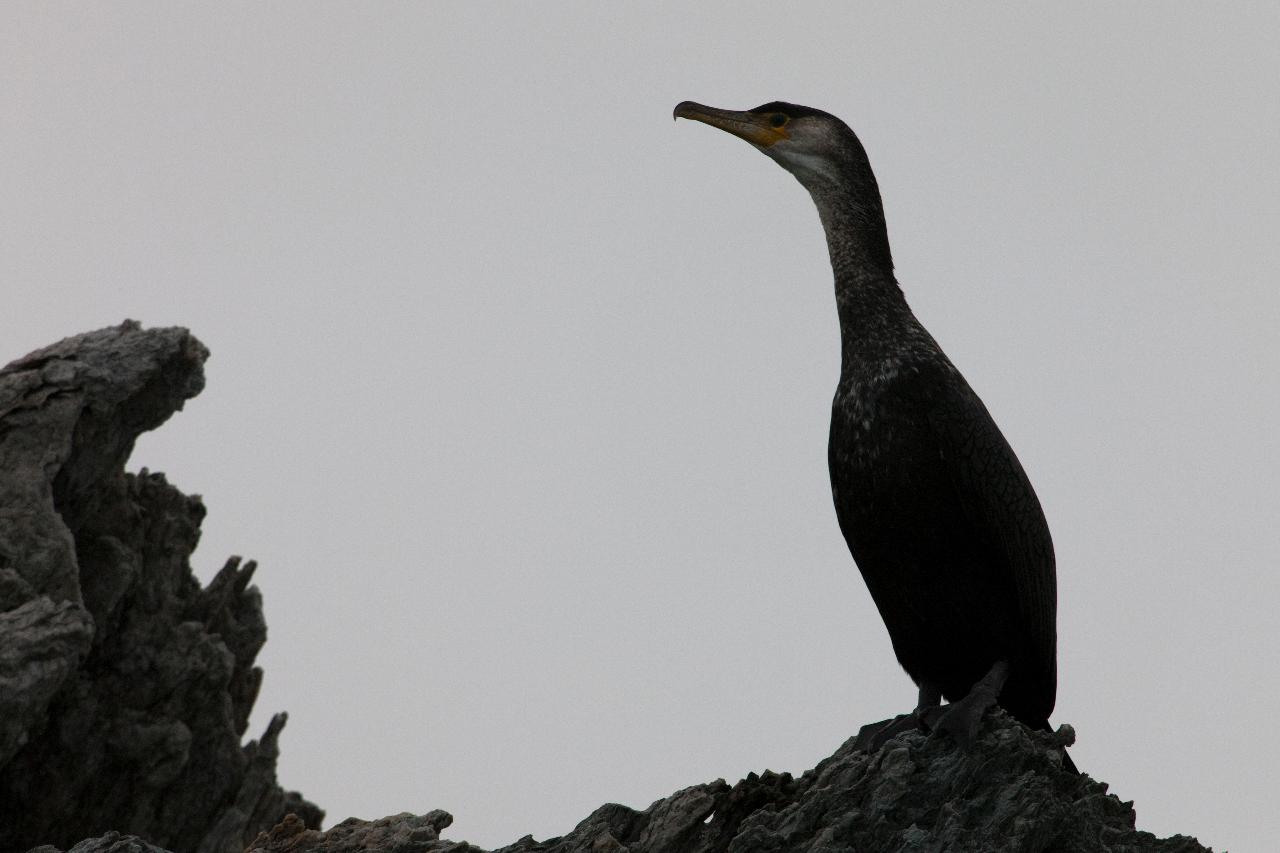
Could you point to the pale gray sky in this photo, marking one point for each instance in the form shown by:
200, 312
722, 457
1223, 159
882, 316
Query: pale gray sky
519, 391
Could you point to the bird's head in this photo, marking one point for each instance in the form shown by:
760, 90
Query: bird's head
815, 146
829, 161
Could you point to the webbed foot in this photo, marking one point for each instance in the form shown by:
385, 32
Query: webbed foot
872, 737
891, 729
963, 717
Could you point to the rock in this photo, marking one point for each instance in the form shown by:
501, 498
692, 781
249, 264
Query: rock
918, 793
402, 833
112, 842
42, 644
125, 688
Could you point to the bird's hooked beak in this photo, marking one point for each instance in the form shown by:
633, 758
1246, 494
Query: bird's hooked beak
754, 128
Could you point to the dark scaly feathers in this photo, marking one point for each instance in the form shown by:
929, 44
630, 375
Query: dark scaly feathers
934, 505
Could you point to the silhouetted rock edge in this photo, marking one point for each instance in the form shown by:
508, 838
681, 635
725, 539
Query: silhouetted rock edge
125, 688
917, 793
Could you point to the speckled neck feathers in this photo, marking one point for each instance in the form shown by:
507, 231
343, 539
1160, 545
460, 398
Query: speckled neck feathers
876, 325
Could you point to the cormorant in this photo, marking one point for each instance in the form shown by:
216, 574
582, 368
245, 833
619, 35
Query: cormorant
935, 508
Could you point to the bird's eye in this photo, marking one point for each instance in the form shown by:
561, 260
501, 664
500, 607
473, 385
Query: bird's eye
777, 120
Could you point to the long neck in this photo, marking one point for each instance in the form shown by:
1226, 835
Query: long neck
873, 311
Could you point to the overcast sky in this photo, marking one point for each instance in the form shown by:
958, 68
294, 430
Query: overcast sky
519, 391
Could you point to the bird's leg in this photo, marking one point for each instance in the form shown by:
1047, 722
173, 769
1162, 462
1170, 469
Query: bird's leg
930, 698
928, 706
962, 718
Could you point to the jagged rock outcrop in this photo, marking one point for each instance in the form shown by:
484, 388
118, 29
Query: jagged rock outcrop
917, 794
125, 688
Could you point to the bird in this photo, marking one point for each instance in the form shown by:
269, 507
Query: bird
938, 513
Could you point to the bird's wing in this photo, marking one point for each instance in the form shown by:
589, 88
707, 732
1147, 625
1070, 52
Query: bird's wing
1001, 507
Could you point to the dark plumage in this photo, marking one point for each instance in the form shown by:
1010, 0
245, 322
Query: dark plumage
934, 506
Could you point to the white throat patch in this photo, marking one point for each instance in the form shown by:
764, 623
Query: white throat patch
804, 165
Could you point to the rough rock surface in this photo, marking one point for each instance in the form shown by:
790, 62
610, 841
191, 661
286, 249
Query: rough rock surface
125, 688
918, 793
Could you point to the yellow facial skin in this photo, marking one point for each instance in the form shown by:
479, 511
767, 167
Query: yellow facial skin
756, 128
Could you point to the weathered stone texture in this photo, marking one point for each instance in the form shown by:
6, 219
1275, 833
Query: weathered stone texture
125, 688
917, 794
